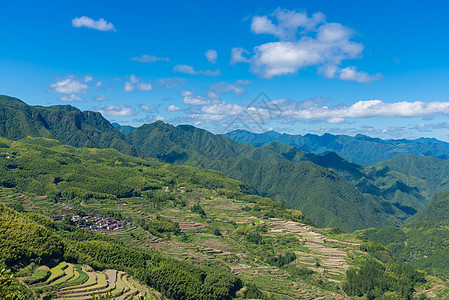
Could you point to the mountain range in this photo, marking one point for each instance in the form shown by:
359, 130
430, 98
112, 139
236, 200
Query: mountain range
359, 149
328, 189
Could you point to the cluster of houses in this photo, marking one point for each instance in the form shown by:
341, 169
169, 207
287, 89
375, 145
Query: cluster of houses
98, 222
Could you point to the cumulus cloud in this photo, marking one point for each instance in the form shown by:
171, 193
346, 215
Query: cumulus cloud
116, 110
211, 56
149, 59
191, 71
351, 74
71, 98
173, 108
101, 24
101, 98
134, 83
70, 85
303, 42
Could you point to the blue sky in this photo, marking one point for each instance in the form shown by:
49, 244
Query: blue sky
374, 67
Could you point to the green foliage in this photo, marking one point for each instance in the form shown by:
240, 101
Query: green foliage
281, 260
10, 288
196, 208
373, 280
159, 226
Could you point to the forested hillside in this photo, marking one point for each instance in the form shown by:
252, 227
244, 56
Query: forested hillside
62, 122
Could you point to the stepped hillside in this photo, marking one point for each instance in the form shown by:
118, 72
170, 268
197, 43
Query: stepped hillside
360, 149
211, 239
62, 122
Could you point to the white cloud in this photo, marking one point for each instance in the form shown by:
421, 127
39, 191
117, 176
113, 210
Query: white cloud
303, 42
190, 70
351, 74
363, 109
116, 110
70, 85
186, 93
184, 69
169, 83
217, 89
134, 83
71, 98
144, 86
87, 78
288, 22
145, 107
128, 87
195, 100
160, 118
101, 98
101, 24
237, 55
149, 59
211, 56
335, 121
173, 108
99, 84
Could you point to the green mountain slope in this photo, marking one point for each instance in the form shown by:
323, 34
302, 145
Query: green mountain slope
430, 175
277, 171
359, 149
423, 240
62, 122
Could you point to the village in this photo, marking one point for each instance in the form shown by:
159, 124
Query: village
98, 222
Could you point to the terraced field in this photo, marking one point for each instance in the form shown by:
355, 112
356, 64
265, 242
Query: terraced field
74, 282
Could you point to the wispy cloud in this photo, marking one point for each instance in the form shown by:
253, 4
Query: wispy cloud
169, 83
191, 71
145, 107
100, 24
217, 89
149, 59
116, 110
303, 42
101, 98
71, 98
134, 83
211, 56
